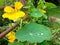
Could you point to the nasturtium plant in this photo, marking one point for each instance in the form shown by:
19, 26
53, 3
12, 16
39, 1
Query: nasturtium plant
33, 32
32, 20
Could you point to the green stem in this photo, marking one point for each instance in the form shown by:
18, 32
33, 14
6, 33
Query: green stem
21, 24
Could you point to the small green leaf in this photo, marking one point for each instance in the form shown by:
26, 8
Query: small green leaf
41, 5
27, 6
36, 13
33, 33
45, 16
50, 5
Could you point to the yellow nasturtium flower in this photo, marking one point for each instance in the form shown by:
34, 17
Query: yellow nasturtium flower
13, 13
11, 36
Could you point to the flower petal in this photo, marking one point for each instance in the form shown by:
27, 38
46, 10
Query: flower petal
18, 5
5, 15
20, 14
8, 9
12, 17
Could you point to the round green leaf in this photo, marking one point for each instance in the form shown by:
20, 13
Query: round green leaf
36, 13
33, 33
